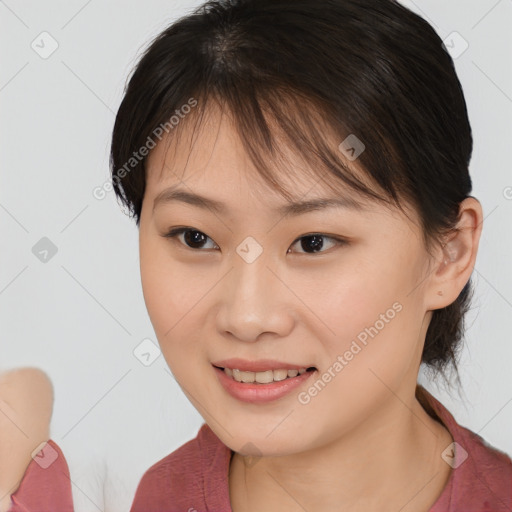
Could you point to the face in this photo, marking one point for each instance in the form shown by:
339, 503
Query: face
339, 289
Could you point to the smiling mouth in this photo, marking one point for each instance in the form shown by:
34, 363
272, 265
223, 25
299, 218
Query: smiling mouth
264, 377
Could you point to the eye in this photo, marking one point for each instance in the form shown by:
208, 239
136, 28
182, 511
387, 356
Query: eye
314, 242
195, 239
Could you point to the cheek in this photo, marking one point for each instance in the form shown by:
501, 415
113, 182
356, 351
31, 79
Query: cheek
164, 283
368, 314
162, 286
373, 352
172, 295
347, 298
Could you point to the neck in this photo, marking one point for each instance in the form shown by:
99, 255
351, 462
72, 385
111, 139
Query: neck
392, 458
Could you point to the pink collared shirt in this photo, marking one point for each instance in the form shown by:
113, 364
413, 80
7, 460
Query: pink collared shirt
194, 478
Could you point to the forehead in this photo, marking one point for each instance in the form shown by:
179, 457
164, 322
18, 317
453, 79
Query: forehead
207, 152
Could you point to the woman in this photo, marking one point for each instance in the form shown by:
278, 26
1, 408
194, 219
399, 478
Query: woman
298, 172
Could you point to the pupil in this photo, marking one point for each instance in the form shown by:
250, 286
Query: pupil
316, 244
190, 239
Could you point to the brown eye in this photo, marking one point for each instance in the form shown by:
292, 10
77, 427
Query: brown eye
192, 238
313, 243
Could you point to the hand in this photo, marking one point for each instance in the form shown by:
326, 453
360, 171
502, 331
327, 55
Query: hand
26, 406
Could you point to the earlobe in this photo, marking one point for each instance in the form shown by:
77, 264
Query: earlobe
457, 257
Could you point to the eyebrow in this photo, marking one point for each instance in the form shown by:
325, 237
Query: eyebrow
295, 208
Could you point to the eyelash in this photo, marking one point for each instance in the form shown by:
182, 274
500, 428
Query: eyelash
174, 233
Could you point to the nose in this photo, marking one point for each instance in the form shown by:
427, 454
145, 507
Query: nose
254, 301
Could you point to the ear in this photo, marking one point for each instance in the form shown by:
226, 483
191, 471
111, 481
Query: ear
455, 261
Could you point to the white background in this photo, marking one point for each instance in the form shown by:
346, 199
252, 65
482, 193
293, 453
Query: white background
80, 315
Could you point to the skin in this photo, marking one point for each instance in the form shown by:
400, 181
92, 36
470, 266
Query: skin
26, 404
364, 442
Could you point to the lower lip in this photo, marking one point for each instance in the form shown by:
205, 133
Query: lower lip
260, 393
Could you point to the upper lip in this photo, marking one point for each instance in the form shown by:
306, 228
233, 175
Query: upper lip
259, 365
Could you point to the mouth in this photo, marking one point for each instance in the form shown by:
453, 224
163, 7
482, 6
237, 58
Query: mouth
265, 376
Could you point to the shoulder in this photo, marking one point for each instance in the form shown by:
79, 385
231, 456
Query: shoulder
176, 476
481, 474
174, 464
489, 462
193, 477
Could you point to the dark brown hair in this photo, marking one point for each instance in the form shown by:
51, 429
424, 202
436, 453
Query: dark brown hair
369, 68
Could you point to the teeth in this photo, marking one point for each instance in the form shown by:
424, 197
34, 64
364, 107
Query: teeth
280, 374
262, 377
